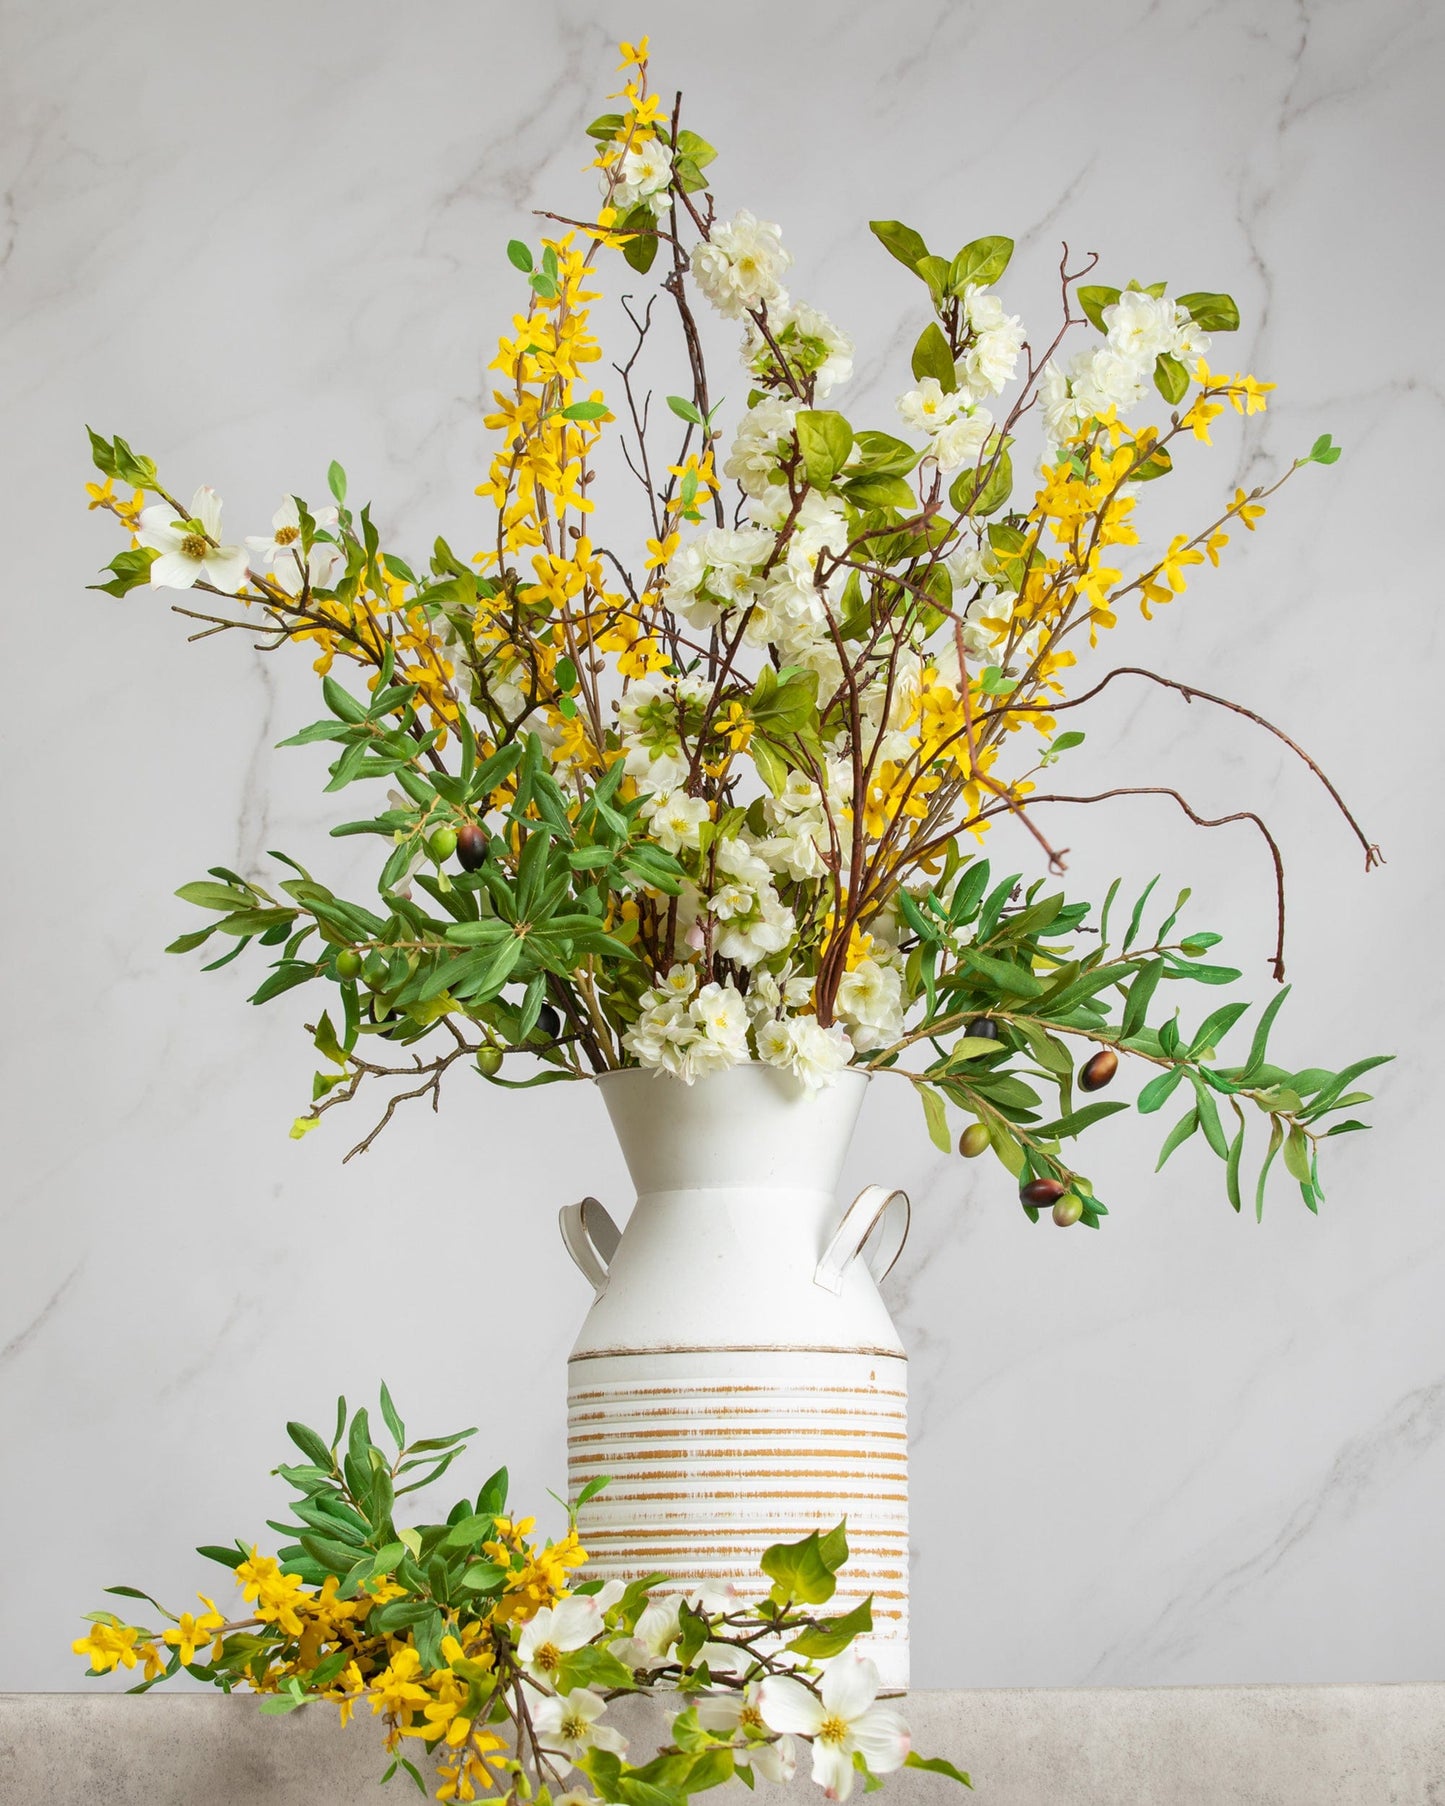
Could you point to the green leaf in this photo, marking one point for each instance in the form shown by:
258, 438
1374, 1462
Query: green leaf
1003, 973
936, 1115
586, 410
1137, 916
131, 568
215, 896
640, 251
391, 1419
978, 492
932, 357
1211, 313
1077, 1121
1297, 1155
310, 1445
979, 264
519, 256
1094, 299
1159, 1090
798, 1572
1171, 379
1324, 451
1180, 1133
769, 763
831, 1636
1231, 1169
1140, 995
901, 241
825, 440
592, 1666
1209, 1115
1215, 1027
936, 1765
1276, 1136
880, 490
685, 409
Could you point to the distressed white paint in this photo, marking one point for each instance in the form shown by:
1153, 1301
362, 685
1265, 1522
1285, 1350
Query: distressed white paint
738, 1379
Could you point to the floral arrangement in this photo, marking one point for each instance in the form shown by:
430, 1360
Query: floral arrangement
725, 800
476, 1645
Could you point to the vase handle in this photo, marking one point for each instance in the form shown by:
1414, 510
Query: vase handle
871, 1210
590, 1236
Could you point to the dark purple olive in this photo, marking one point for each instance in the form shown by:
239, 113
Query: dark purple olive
471, 846
983, 1028
1096, 1073
549, 1023
1040, 1192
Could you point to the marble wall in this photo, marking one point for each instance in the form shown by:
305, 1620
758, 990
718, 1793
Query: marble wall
255, 237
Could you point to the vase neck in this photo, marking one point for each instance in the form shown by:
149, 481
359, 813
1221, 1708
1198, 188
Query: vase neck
749, 1128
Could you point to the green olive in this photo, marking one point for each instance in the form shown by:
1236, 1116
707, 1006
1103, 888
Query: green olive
373, 969
348, 963
489, 1061
975, 1140
1068, 1209
442, 844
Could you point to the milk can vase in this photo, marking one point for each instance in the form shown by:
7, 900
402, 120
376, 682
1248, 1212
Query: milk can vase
738, 1378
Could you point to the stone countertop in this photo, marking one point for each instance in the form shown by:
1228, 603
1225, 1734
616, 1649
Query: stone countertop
1146, 1746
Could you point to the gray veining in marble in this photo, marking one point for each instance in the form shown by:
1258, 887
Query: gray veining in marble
1188, 1449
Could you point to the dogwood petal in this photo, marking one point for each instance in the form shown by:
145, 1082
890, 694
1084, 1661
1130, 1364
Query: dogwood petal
608, 1737
719, 1711
787, 1705
850, 1686
833, 1769
156, 527
538, 1630
775, 1762
226, 568
173, 570
206, 507
575, 1621
883, 1738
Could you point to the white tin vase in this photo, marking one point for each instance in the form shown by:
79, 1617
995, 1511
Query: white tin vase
738, 1378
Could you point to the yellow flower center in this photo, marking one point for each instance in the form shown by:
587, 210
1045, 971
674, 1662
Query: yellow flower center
548, 1658
752, 1717
833, 1729
574, 1727
286, 536
194, 546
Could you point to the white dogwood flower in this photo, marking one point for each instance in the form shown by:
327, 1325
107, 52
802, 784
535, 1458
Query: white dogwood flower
555, 1631
844, 1721
188, 556
283, 543
728, 1714
569, 1724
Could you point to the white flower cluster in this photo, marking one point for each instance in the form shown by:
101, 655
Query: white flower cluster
991, 355
689, 1033
740, 265
723, 569
846, 1719
1140, 327
807, 338
644, 176
956, 425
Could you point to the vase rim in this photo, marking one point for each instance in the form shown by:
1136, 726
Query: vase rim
751, 1065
